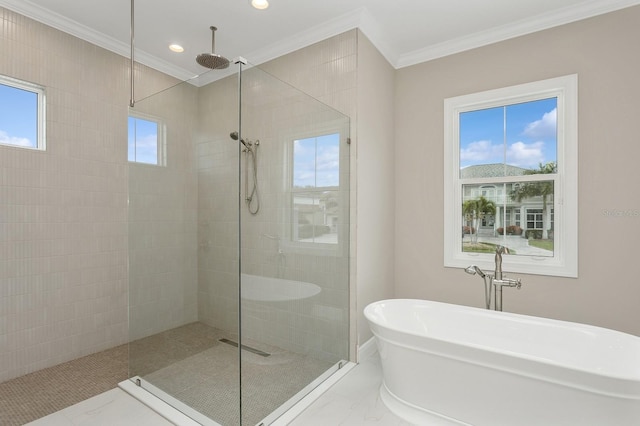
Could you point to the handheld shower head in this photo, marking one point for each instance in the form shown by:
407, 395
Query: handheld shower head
473, 269
250, 150
235, 137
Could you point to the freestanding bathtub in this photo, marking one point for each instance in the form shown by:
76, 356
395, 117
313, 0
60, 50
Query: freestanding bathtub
446, 364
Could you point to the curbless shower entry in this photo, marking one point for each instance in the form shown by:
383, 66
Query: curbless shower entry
237, 312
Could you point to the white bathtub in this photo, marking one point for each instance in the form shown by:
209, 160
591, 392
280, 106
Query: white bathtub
446, 364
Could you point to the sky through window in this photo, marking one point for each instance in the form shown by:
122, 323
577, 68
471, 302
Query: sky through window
18, 117
522, 135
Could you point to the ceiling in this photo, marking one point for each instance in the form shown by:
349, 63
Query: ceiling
405, 31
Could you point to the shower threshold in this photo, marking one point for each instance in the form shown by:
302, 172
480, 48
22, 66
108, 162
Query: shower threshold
181, 414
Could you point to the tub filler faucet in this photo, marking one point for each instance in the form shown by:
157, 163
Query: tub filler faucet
495, 281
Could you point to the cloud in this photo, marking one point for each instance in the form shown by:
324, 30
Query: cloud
527, 155
146, 149
481, 152
303, 147
521, 154
328, 158
543, 128
12, 140
147, 142
316, 164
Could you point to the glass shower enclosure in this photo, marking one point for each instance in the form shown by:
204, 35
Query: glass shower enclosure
239, 246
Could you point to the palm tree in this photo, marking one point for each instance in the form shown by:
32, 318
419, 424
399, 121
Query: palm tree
538, 189
475, 210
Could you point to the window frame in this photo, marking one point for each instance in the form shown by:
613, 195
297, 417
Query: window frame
564, 262
41, 103
316, 248
161, 147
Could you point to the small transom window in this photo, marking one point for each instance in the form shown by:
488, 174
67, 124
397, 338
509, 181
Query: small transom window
22, 108
146, 140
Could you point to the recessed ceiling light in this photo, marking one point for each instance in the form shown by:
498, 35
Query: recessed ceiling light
176, 48
260, 4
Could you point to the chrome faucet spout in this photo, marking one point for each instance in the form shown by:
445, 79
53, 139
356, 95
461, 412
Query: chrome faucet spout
494, 283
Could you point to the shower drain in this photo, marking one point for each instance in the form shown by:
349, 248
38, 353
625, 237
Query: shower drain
245, 347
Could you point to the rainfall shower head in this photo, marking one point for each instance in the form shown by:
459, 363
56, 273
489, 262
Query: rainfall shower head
212, 60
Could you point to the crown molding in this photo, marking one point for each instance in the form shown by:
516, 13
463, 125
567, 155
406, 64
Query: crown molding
59, 22
360, 19
522, 27
308, 37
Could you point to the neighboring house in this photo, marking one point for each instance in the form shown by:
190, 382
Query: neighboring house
526, 214
316, 215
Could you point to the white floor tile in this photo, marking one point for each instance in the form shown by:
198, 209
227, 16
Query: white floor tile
352, 401
114, 407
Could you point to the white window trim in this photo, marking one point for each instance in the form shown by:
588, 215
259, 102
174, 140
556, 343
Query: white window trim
287, 243
564, 263
41, 144
162, 140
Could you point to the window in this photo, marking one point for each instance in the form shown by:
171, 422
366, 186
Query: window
146, 140
315, 189
22, 109
511, 177
534, 219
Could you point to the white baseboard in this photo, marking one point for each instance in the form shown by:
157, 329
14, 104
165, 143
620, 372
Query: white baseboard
367, 349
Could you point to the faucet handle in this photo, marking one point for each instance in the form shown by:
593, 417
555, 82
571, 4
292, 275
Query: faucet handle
507, 282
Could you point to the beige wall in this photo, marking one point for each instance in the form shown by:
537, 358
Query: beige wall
603, 52
375, 251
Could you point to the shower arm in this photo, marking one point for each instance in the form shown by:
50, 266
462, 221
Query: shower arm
213, 39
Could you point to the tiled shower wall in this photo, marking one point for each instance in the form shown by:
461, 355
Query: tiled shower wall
64, 240
163, 221
319, 325
63, 211
275, 114
217, 164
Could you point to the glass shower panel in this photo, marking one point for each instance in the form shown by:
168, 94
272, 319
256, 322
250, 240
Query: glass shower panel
183, 240
294, 244
238, 246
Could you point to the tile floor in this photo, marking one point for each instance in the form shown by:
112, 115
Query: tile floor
352, 401
46, 391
